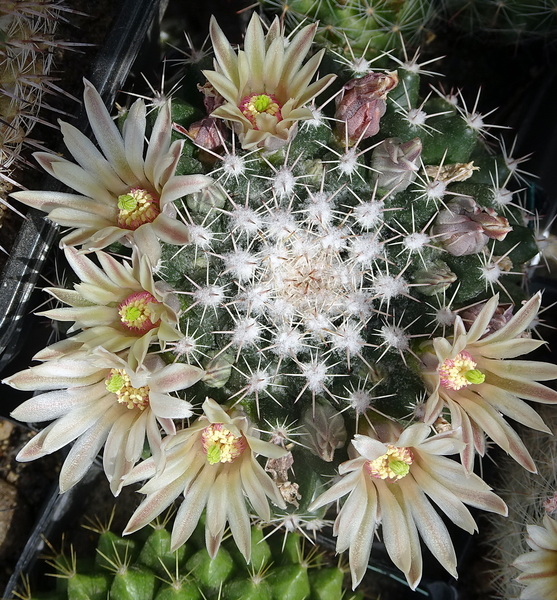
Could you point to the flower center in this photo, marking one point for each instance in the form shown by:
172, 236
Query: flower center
119, 383
391, 466
137, 314
256, 104
137, 207
221, 445
459, 372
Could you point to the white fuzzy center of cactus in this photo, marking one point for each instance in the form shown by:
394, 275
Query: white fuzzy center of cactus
393, 465
221, 445
119, 383
137, 312
459, 372
136, 208
256, 104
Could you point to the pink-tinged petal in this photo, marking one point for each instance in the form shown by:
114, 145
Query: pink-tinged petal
144, 470
170, 230
430, 525
217, 502
479, 326
97, 240
55, 404
414, 573
55, 375
312, 92
223, 85
84, 451
433, 407
33, 449
510, 348
254, 491
265, 448
336, 491
120, 273
155, 440
224, 54
107, 134
195, 499
86, 270
295, 54
514, 408
167, 167
136, 428
519, 369
443, 444
543, 538
146, 241
183, 185
273, 63
395, 535
238, 517
133, 133
352, 513
168, 407
88, 316
445, 499
58, 350
519, 323
159, 142
154, 505
174, 377
368, 447
413, 435
68, 217
47, 201
360, 548
115, 462
528, 390
90, 159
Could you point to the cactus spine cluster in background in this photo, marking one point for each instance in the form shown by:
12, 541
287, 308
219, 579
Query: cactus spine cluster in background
27, 45
336, 282
143, 567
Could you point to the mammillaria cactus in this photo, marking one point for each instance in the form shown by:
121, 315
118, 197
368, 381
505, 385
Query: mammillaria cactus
332, 299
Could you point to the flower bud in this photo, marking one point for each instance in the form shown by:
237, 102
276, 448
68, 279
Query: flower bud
208, 133
396, 163
218, 371
436, 278
324, 428
494, 226
213, 196
500, 318
361, 105
457, 232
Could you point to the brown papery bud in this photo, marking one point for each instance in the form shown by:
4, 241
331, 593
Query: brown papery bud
208, 133
361, 105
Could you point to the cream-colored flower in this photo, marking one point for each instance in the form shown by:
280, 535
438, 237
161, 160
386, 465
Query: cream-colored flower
473, 377
125, 195
97, 400
117, 306
391, 482
539, 566
265, 87
213, 464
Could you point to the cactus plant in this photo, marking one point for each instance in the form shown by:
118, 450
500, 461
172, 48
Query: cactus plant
145, 567
329, 275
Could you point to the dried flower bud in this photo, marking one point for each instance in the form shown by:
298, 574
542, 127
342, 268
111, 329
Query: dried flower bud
502, 315
450, 173
208, 133
494, 226
211, 98
361, 105
324, 428
436, 278
396, 163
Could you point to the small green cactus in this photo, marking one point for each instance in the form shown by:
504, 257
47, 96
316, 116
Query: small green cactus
143, 567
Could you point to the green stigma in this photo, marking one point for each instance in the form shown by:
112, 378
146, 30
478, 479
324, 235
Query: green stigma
115, 383
213, 454
261, 103
399, 468
127, 202
132, 314
474, 376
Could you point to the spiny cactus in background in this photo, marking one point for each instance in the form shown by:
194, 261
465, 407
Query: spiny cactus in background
502, 21
530, 497
324, 278
361, 29
27, 45
145, 567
